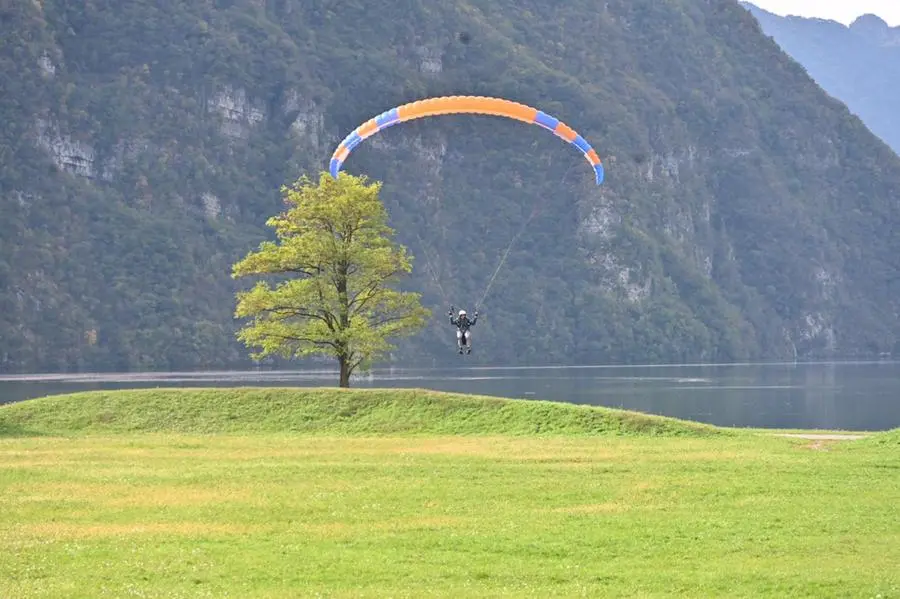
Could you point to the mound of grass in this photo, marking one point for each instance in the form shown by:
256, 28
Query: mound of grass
325, 411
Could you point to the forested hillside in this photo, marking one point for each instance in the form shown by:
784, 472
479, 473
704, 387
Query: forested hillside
745, 214
859, 64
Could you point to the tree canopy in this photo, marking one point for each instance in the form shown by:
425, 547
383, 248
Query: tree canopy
337, 260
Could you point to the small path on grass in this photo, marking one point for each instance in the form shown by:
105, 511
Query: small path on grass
823, 436
821, 441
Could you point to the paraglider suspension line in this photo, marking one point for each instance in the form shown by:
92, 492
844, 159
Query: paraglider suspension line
505, 254
431, 270
514, 239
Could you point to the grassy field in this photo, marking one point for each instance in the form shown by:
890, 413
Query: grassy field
411, 493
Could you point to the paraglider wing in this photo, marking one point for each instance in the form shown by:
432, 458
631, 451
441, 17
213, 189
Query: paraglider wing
460, 105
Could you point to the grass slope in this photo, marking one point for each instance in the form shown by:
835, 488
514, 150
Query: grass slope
376, 498
324, 411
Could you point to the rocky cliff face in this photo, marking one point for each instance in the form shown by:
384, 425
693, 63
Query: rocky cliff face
745, 215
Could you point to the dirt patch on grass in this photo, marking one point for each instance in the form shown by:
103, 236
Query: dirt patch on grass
332, 530
178, 496
471, 447
822, 441
417, 523
704, 456
594, 508
71, 530
823, 436
121, 495
329, 530
819, 445
531, 451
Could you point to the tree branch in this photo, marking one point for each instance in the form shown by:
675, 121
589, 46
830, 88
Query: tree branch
301, 340
373, 286
370, 293
390, 319
297, 312
328, 317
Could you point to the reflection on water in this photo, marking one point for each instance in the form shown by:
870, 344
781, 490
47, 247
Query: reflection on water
833, 395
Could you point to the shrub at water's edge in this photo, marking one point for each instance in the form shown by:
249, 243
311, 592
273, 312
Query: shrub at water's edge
325, 411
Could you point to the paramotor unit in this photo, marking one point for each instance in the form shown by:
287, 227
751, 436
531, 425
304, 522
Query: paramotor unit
461, 105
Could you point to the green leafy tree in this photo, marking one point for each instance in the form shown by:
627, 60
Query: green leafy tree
337, 260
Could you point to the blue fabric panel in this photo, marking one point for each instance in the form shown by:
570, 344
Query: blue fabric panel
386, 119
352, 141
545, 120
582, 144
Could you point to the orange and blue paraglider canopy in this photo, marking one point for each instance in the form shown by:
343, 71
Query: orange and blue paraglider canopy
462, 105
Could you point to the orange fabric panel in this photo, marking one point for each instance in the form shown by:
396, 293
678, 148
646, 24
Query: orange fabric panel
566, 132
367, 128
466, 104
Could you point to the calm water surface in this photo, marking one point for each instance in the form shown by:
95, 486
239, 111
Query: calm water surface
834, 395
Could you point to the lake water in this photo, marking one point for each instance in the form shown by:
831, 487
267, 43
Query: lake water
833, 395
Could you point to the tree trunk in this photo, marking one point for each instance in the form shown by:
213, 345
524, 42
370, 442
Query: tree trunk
345, 371
344, 324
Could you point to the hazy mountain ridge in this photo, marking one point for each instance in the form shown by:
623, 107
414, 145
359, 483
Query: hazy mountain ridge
745, 214
859, 64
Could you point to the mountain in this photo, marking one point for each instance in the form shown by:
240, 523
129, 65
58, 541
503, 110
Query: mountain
859, 64
745, 214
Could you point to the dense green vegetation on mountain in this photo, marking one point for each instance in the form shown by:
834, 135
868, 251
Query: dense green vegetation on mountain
859, 64
745, 213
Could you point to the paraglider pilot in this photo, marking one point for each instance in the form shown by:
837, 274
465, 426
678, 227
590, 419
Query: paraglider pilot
462, 324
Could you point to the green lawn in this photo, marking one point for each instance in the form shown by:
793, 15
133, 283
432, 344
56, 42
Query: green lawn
411, 493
